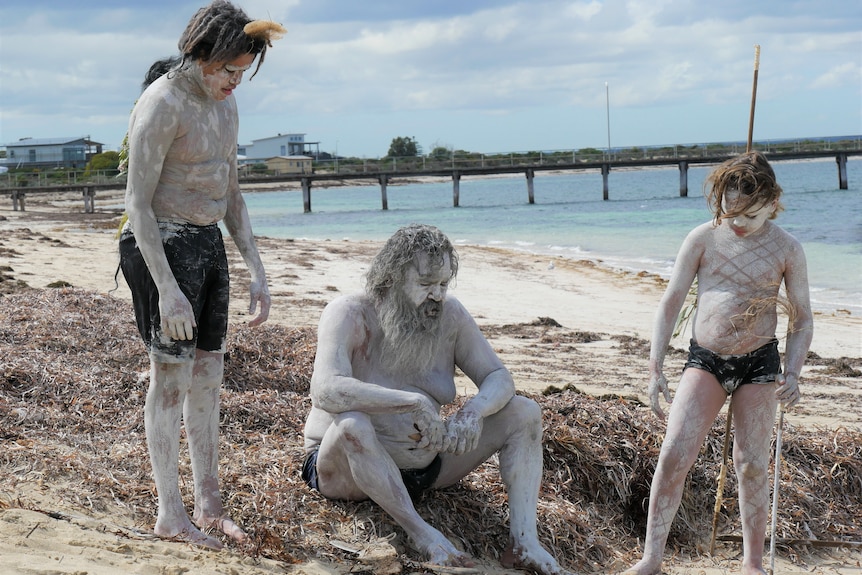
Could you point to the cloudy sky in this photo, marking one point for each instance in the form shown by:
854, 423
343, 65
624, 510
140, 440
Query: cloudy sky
479, 75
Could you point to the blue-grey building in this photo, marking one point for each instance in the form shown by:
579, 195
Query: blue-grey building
71, 152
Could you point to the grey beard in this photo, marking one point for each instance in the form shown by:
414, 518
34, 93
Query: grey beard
411, 338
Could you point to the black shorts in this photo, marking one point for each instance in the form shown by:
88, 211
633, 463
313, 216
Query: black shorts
417, 481
197, 258
758, 366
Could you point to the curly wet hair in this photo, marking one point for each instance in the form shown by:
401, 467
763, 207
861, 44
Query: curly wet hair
750, 174
216, 33
391, 262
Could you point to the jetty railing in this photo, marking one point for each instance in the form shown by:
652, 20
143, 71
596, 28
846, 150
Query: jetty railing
458, 159
458, 164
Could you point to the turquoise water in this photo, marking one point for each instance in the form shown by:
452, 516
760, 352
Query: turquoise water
640, 227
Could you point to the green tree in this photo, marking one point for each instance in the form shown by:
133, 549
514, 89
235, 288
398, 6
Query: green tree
402, 147
104, 161
441, 153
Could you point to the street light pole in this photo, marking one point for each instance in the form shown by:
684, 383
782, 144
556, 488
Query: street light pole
608, 116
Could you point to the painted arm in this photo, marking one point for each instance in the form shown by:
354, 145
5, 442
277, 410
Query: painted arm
477, 359
238, 225
684, 271
152, 130
800, 328
341, 334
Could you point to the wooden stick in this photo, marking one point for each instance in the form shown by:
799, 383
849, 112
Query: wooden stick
753, 97
722, 475
811, 542
775, 490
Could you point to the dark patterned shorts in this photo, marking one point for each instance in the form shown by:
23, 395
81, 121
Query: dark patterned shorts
759, 366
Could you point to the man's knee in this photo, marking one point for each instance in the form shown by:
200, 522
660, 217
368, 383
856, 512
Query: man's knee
526, 407
354, 430
524, 412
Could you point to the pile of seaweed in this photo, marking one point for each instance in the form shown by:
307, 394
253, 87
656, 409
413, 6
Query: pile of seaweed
73, 379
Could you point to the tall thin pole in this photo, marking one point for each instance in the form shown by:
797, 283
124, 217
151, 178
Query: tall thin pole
753, 96
722, 476
777, 464
608, 116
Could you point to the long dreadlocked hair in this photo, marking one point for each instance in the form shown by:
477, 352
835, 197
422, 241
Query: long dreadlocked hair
222, 32
390, 264
750, 174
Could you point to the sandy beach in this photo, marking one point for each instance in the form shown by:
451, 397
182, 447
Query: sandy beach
554, 322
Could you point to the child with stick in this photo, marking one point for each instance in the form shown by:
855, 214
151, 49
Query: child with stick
739, 260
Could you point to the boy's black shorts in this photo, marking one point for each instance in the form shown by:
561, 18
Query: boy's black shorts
197, 258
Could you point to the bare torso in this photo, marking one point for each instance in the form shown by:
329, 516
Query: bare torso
189, 146
394, 428
738, 283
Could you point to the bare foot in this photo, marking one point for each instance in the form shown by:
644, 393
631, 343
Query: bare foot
188, 534
224, 524
643, 567
441, 551
531, 556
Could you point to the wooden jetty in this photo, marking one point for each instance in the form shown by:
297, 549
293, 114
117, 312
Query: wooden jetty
530, 170
459, 170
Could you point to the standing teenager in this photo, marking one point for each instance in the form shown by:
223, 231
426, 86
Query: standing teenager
182, 181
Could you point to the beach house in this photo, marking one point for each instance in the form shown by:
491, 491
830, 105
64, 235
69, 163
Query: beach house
289, 164
282, 145
69, 152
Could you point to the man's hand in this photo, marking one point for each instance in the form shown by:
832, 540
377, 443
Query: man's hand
427, 422
463, 431
658, 386
259, 294
787, 391
178, 317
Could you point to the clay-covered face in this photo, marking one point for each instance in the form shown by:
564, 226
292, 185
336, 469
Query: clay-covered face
426, 282
221, 78
750, 221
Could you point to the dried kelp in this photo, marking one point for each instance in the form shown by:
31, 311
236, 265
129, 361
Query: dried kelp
73, 378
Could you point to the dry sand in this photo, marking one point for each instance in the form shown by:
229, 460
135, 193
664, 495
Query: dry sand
53, 241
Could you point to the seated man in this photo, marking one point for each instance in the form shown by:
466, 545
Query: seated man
385, 365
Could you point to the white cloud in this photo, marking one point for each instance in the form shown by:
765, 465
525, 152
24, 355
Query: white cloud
848, 73
444, 66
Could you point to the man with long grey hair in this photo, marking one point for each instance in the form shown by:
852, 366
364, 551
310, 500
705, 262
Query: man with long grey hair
385, 366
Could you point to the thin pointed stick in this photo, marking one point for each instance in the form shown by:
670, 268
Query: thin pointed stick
753, 97
722, 475
775, 491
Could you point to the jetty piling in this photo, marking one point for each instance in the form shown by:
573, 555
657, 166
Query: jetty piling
384, 180
683, 179
606, 170
18, 200
306, 195
841, 159
485, 166
89, 194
